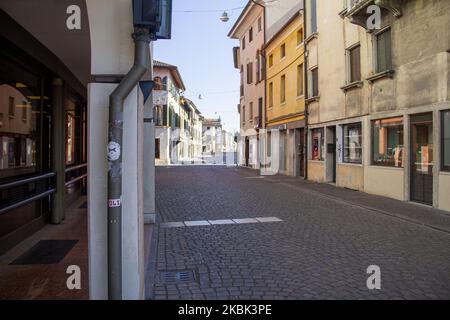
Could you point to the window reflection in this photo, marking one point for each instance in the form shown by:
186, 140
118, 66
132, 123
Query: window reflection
18, 136
388, 142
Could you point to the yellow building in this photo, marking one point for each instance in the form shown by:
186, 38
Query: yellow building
285, 103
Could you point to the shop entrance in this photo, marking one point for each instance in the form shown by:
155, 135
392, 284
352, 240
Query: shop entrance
422, 158
301, 152
331, 154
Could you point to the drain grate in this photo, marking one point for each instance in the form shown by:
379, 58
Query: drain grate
182, 276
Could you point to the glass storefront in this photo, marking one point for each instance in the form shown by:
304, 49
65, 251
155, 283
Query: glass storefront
387, 143
317, 144
26, 178
445, 140
422, 158
353, 143
24, 138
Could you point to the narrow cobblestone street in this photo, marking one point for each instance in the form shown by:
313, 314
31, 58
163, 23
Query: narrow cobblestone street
320, 249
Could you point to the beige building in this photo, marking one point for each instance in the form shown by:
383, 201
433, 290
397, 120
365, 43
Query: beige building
378, 100
249, 59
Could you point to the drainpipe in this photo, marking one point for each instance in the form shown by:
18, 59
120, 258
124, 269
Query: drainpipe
306, 55
142, 40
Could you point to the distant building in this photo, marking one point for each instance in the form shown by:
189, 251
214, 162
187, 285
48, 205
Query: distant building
212, 136
194, 130
169, 115
249, 59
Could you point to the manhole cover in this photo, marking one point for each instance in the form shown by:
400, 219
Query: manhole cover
177, 276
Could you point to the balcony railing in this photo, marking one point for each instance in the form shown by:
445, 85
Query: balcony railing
356, 10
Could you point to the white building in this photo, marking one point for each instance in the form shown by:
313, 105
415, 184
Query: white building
170, 141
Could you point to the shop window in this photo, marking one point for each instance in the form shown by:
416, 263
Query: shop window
353, 143
317, 144
446, 140
387, 142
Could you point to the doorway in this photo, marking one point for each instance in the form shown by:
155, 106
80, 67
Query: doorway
331, 154
422, 158
301, 152
247, 151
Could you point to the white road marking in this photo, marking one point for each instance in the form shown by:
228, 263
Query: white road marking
197, 223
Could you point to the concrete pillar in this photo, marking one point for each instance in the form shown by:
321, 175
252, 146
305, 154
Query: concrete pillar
149, 163
58, 151
132, 198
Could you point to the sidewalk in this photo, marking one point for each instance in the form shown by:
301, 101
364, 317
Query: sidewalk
407, 211
48, 281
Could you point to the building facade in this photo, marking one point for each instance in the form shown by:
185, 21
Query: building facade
285, 107
212, 137
249, 59
193, 127
169, 114
378, 110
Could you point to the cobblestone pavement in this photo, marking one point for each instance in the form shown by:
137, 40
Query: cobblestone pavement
321, 249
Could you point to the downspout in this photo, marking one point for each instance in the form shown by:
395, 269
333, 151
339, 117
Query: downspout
141, 39
306, 55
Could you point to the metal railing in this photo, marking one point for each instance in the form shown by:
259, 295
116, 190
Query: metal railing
15, 184
77, 178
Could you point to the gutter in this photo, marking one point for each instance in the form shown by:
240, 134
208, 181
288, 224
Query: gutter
142, 40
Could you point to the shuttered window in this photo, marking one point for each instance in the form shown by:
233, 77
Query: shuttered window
283, 89
355, 63
271, 95
300, 80
383, 47
250, 73
315, 82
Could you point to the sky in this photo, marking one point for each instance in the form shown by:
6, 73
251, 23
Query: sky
203, 53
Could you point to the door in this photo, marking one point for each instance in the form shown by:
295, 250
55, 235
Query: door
157, 148
422, 158
247, 151
331, 153
301, 153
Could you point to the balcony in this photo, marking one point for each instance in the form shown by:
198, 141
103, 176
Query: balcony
356, 10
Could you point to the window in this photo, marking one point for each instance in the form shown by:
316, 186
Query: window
299, 37
387, 143
259, 24
243, 114
271, 95
258, 66
313, 16
300, 80
317, 144
283, 51
250, 116
354, 61
446, 140
250, 35
383, 51
12, 106
314, 82
270, 60
243, 43
352, 143
249, 73
283, 89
